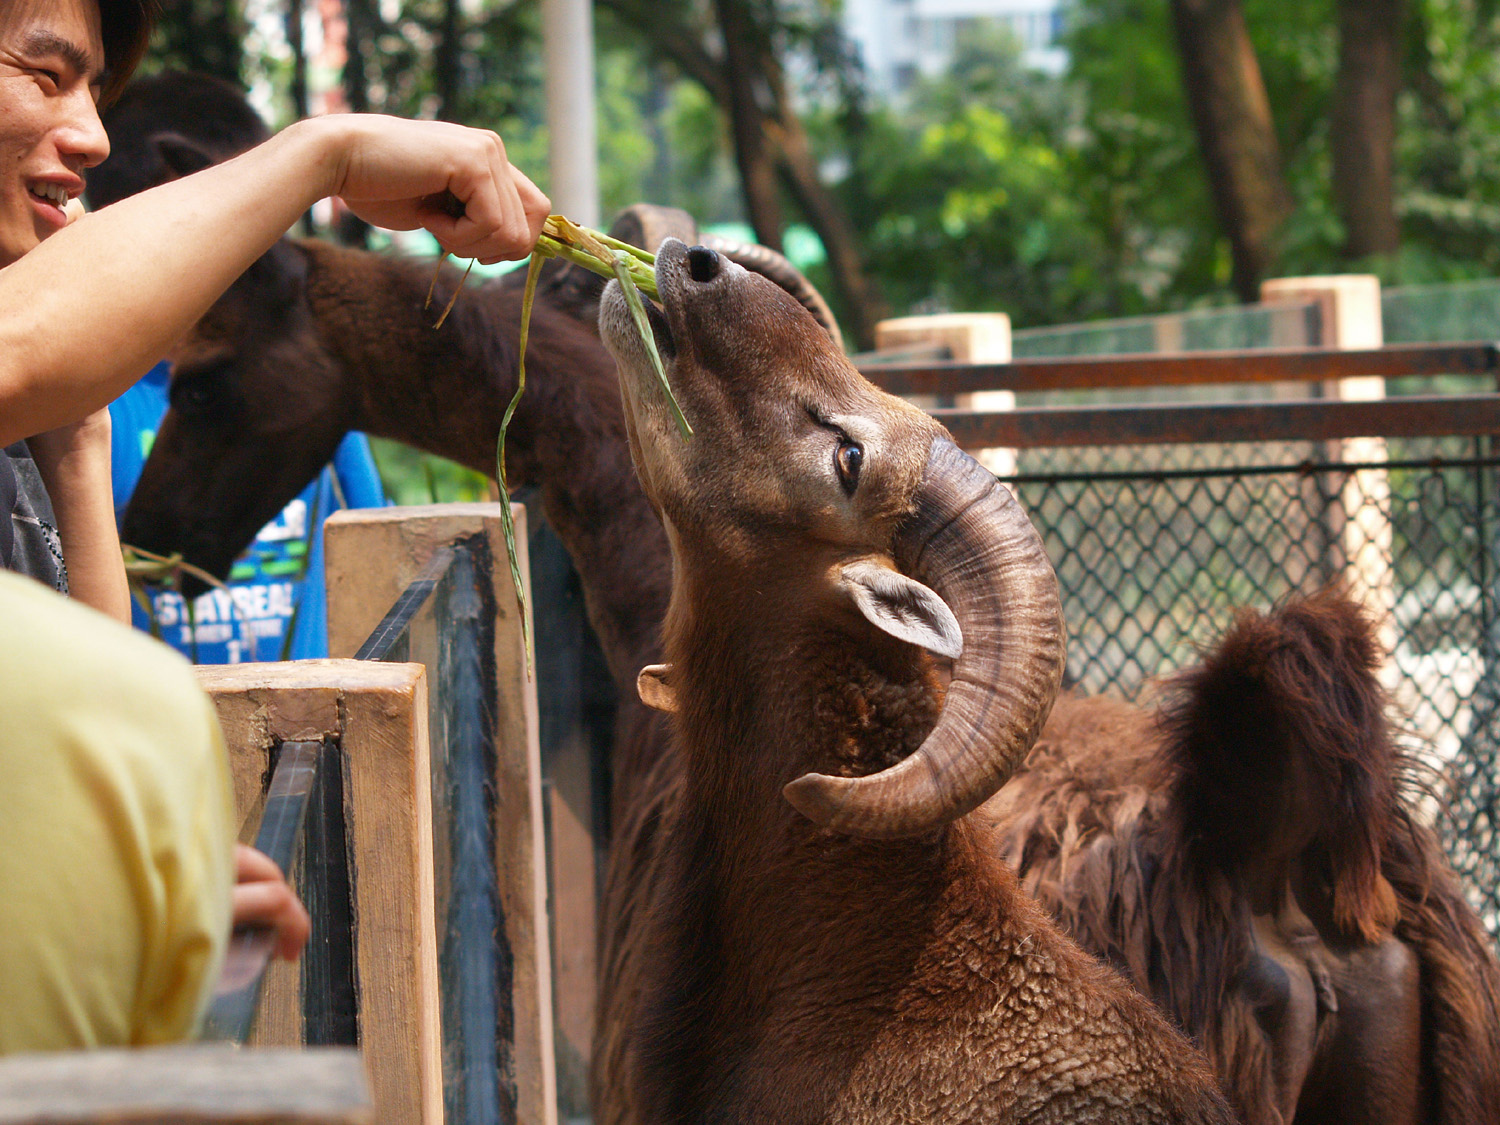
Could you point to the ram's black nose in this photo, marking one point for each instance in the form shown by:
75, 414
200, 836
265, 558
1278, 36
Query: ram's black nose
703, 263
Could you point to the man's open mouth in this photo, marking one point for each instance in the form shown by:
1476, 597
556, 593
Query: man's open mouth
55, 194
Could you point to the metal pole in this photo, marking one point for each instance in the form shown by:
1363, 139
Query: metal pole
568, 39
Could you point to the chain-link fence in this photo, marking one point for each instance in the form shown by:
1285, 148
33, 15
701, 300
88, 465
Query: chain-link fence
1462, 310
1156, 545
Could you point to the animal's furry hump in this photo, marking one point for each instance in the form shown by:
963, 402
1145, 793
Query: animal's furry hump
1278, 741
1154, 836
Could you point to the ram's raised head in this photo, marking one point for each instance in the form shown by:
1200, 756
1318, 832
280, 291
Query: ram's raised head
837, 503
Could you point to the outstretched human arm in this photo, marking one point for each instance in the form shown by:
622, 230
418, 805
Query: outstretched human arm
74, 462
86, 312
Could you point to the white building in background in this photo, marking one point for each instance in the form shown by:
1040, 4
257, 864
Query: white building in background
901, 39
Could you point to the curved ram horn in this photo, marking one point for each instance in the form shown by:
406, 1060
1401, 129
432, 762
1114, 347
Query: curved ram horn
768, 263
970, 541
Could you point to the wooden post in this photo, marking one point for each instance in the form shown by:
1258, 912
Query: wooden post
573, 688
187, 1085
378, 714
371, 556
971, 338
1350, 314
573, 156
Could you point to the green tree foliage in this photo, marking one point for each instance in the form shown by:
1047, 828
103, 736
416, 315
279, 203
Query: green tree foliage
205, 35
986, 189
989, 187
1138, 163
1138, 153
1448, 142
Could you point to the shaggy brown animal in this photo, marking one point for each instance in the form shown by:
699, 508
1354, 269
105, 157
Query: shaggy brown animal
855, 951
1252, 861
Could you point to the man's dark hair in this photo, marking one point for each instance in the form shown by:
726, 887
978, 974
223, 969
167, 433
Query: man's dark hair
169, 125
125, 26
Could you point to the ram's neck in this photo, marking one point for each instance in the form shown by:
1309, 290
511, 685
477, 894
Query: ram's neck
445, 390
816, 944
765, 695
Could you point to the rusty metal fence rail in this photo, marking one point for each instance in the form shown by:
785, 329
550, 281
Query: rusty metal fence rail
1161, 519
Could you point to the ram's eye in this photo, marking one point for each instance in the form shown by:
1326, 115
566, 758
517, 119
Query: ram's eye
848, 459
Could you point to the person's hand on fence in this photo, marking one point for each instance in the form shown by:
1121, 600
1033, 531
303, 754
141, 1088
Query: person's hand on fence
263, 898
455, 181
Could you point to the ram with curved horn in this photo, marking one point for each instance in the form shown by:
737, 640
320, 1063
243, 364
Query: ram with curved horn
828, 935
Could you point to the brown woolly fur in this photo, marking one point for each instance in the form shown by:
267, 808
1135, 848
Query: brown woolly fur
1269, 801
1461, 988
1277, 745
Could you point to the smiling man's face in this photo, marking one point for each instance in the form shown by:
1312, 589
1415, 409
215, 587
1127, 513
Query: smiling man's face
51, 64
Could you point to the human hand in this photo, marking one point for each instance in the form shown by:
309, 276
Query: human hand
403, 174
262, 899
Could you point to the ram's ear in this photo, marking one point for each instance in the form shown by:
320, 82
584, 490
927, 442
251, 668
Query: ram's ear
901, 606
655, 689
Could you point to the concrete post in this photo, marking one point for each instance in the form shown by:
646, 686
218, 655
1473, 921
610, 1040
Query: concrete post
403, 540
970, 338
1350, 308
568, 52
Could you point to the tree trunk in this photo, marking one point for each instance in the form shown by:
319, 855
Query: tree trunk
1232, 115
447, 62
771, 147
299, 58
1362, 124
859, 301
359, 18
745, 72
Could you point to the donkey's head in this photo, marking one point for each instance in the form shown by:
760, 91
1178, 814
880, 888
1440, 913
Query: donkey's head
851, 503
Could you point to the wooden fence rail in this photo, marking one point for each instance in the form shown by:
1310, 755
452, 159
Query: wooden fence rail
374, 937
1311, 419
1283, 420
192, 1085
484, 782
1260, 365
423, 857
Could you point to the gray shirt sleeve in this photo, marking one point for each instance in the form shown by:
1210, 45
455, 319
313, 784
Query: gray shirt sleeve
29, 544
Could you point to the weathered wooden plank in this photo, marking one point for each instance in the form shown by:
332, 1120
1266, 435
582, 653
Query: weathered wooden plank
388, 803
259, 705
377, 713
187, 1084
1268, 365
359, 594
1297, 420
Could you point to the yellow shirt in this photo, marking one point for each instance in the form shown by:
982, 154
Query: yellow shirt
116, 831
